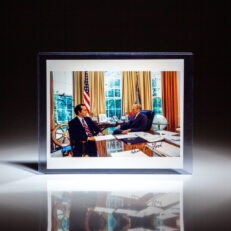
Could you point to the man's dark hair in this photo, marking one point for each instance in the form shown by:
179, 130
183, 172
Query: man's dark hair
78, 108
96, 221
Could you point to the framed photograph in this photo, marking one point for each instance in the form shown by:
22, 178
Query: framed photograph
102, 118
153, 91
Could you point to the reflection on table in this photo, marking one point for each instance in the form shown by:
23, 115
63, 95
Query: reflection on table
112, 211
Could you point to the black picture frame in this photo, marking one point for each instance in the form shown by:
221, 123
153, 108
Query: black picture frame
187, 58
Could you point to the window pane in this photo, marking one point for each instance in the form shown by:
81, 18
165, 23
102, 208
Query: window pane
69, 102
117, 92
61, 116
159, 102
156, 111
69, 115
107, 103
55, 103
107, 113
118, 103
111, 113
117, 83
154, 92
110, 84
56, 116
111, 103
118, 113
111, 93
154, 83
154, 102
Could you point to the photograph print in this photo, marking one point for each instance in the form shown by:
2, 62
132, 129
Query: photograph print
115, 113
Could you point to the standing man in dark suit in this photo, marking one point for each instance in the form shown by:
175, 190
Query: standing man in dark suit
82, 131
137, 122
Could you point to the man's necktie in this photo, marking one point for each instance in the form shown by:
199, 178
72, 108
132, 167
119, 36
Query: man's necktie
133, 118
86, 128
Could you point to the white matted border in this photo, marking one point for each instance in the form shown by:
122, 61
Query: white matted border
116, 65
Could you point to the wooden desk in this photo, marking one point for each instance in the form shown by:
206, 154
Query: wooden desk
106, 147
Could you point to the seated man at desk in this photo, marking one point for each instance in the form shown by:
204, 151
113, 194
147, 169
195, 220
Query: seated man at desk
137, 122
82, 131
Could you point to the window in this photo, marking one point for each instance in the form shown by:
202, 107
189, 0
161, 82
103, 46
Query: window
113, 99
63, 95
156, 93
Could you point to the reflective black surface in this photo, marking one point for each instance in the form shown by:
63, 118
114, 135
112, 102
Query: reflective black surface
30, 201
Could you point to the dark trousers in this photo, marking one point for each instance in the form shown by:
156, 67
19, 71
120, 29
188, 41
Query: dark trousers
88, 148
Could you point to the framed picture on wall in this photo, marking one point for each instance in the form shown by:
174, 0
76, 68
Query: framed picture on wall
153, 91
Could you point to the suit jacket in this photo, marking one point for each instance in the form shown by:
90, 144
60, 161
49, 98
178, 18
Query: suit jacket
77, 134
77, 131
136, 125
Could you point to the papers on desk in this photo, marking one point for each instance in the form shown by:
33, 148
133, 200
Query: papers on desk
149, 137
172, 139
107, 137
144, 135
175, 138
128, 135
164, 149
162, 132
137, 133
130, 153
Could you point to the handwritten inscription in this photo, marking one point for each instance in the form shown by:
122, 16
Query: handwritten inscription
155, 145
135, 150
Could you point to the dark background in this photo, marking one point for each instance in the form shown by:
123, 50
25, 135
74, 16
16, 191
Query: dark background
131, 26
107, 26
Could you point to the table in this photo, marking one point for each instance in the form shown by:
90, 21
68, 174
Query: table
106, 147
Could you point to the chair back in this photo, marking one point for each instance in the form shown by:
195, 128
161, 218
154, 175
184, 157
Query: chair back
150, 116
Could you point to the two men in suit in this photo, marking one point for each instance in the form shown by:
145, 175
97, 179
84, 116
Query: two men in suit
82, 131
137, 122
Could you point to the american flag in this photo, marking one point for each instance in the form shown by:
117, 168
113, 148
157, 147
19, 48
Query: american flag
137, 99
86, 93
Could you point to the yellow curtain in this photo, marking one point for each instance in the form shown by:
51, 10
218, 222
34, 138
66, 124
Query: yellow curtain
97, 93
78, 88
52, 113
128, 90
145, 88
170, 99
